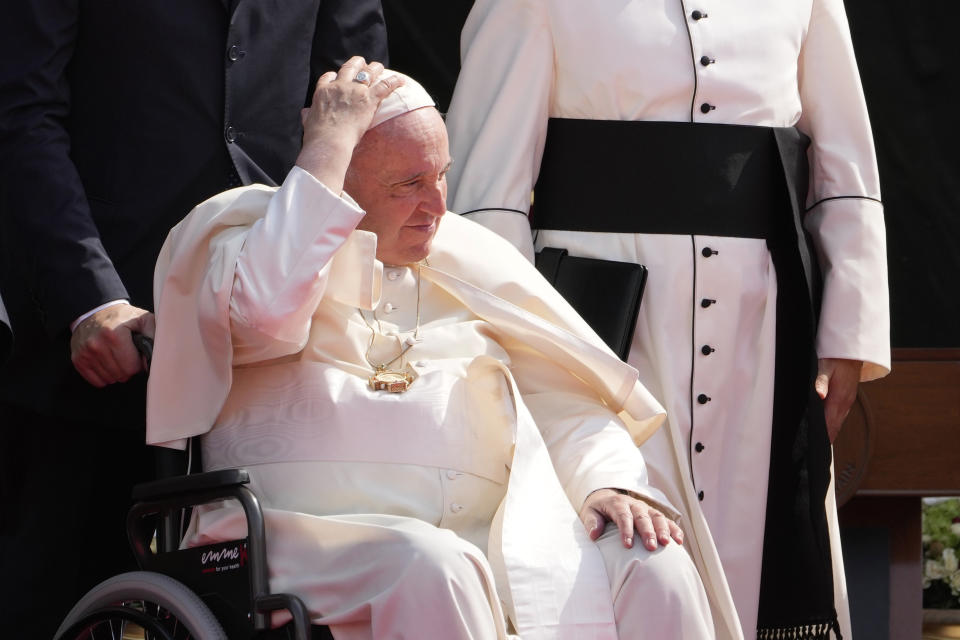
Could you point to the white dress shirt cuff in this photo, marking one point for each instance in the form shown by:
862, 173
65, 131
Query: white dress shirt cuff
76, 323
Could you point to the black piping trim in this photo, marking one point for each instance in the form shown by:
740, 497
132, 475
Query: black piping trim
686, 24
819, 202
466, 213
693, 354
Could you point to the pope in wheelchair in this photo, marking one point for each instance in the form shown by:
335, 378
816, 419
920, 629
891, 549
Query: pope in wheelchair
442, 447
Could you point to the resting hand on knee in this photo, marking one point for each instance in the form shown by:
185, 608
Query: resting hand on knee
629, 514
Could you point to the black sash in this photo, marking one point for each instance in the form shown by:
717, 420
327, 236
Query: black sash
739, 181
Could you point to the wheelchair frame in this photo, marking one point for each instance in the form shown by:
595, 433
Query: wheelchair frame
238, 568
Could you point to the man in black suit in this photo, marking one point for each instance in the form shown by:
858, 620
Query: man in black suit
116, 118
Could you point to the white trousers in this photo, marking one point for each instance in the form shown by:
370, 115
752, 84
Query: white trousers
391, 570
380, 576
372, 576
656, 594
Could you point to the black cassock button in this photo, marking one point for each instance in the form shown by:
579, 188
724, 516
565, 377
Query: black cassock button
699, 447
706, 349
707, 252
234, 53
706, 302
706, 107
700, 496
230, 134
697, 14
703, 398
706, 60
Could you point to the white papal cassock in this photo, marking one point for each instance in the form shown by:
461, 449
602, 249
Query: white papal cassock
750, 62
270, 305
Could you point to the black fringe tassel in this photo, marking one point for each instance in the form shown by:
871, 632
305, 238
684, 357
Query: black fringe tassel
804, 632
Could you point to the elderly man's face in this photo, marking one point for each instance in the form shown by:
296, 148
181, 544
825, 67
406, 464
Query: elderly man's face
398, 176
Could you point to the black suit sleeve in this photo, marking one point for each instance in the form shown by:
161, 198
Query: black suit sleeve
346, 28
47, 228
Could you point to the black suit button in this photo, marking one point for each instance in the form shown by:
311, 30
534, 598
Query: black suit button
707, 252
697, 14
703, 398
234, 53
706, 302
706, 349
700, 496
706, 107
230, 135
699, 447
706, 60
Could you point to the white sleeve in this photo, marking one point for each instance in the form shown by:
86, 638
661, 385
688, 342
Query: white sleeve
845, 215
498, 115
283, 268
589, 446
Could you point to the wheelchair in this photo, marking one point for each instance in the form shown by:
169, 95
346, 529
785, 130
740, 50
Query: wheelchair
212, 592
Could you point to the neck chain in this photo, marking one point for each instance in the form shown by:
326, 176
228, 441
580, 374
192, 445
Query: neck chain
384, 378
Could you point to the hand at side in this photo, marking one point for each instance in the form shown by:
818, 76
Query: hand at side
836, 384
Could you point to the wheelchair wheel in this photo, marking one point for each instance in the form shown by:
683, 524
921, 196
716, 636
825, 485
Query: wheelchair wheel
140, 605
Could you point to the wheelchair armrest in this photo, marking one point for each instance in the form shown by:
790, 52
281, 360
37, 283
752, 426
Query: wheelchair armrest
169, 495
293, 604
194, 483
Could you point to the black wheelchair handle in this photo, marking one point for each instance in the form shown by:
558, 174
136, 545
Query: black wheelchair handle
144, 345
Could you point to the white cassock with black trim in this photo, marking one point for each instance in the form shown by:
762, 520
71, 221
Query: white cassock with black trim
704, 341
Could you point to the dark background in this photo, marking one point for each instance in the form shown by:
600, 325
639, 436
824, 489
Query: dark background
908, 62
424, 39
909, 58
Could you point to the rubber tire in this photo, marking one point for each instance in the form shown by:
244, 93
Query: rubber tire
156, 588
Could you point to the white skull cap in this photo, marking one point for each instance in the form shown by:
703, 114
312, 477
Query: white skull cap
402, 100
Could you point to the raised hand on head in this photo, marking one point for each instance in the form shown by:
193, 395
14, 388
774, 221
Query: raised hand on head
343, 106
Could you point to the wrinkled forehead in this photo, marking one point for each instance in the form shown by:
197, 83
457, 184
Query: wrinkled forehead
409, 144
420, 125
